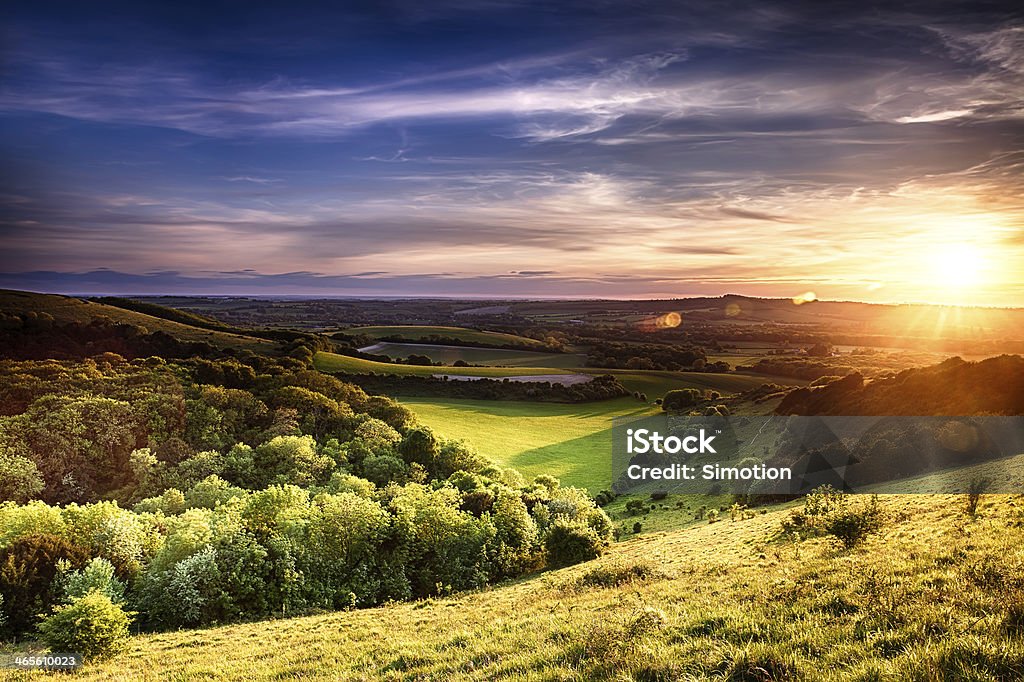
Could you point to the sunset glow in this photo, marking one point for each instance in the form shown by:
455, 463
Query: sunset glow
479, 151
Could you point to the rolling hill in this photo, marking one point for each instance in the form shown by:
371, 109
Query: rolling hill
70, 309
419, 333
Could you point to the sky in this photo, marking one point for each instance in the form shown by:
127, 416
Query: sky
504, 148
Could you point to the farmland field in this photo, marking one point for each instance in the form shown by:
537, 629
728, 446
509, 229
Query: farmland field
652, 382
416, 332
570, 442
332, 362
477, 355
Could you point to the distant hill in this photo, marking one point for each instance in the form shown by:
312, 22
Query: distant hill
430, 334
954, 387
852, 317
27, 312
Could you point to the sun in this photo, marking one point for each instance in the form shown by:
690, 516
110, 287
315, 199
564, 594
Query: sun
959, 267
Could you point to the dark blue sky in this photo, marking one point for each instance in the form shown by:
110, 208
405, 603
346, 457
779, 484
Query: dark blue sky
496, 148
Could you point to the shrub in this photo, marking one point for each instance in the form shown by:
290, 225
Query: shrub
647, 620
568, 543
850, 525
638, 527
636, 506
975, 488
91, 625
681, 398
617, 574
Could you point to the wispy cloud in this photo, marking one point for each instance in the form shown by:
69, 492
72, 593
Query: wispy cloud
586, 148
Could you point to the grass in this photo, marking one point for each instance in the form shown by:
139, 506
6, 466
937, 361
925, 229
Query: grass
655, 383
932, 596
416, 332
480, 356
652, 382
571, 442
332, 362
70, 309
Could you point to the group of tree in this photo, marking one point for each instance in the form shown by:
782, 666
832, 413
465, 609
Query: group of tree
954, 387
202, 491
604, 387
216, 553
647, 356
796, 368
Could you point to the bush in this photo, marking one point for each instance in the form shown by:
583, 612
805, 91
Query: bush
681, 398
568, 543
975, 488
91, 625
827, 512
636, 506
851, 525
618, 574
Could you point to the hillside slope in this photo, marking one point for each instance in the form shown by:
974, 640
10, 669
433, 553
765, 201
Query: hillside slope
954, 387
934, 595
64, 309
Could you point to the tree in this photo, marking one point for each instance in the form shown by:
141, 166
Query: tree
28, 568
20, 480
97, 576
292, 459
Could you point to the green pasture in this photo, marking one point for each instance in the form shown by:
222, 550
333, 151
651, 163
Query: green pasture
570, 442
332, 362
417, 332
480, 356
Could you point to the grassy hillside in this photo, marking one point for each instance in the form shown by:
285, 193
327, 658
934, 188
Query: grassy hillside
571, 442
415, 333
934, 595
478, 355
70, 309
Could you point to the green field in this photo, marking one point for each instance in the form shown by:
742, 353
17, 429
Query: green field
415, 333
332, 362
479, 355
931, 596
652, 382
571, 442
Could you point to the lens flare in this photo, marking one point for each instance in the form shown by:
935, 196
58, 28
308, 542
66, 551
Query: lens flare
669, 320
666, 321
